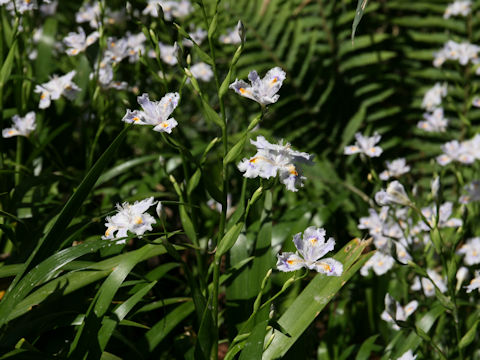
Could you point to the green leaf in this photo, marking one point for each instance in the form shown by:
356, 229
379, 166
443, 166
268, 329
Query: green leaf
54, 237
7, 65
361, 4
367, 347
211, 115
162, 328
123, 167
469, 336
254, 345
235, 151
229, 239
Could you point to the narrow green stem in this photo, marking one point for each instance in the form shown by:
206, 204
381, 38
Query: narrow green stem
18, 159
223, 216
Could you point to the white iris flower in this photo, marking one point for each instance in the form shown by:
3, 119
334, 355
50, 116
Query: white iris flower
264, 91
365, 145
22, 126
78, 42
130, 217
312, 247
395, 168
273, 159
155, 112
56, 87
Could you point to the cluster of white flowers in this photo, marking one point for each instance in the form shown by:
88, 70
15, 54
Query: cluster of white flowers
365, 145
131, 218
273, 159
461, 52
154, 113
395, 169
56, 87
78, 42
170, 9
459, 7
264, 91
465, 152
433, 97
19, 5
434, 119
22, 126
312, 247
394, 311
90, 13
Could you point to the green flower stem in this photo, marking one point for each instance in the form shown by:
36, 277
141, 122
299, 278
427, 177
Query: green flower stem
223, 216
18, 160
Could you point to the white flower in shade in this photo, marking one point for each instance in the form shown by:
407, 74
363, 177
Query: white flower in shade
365, 145
400, 313
155, 112
232, 37
78, 42
471, 250
455, 151
379, 262
202, 71
395, 168
473, 192
444, 216
19, 5
461, 52
312, 247
263, 91
433, 97
198, 36
458, 7
475, 283
395, 194
273, 159
56, 87
88, 13
135, 46
408, 356
427, 285
375, 222
129, 218
117, 50
22, 126
168, 53
105, 77
49, 8
434, 122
